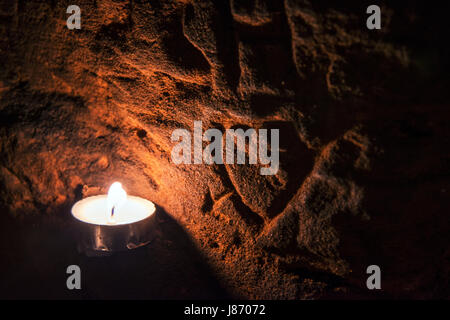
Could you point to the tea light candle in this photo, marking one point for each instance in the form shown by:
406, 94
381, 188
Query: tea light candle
114, 222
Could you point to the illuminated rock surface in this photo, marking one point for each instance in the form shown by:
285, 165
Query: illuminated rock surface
364, 137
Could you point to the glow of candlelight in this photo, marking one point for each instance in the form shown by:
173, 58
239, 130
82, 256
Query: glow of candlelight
116, 198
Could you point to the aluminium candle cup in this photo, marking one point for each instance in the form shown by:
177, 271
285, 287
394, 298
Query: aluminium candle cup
96, 237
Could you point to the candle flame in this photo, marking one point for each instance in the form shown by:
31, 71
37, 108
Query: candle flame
117, 196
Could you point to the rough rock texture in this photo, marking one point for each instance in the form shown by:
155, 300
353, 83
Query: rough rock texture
363, 119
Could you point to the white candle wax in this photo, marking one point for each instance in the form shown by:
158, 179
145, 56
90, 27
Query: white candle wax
98, 210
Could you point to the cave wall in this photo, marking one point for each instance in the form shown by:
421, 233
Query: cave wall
364, 140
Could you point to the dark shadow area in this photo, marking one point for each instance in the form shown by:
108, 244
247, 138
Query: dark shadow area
406, 196
37, 251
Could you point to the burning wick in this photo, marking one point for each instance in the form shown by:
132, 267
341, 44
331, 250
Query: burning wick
117, 196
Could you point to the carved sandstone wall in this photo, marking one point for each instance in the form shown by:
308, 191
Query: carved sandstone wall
363, 119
